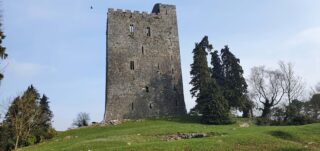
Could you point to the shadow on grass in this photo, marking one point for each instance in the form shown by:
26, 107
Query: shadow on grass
188, 119
282, 135
180, 119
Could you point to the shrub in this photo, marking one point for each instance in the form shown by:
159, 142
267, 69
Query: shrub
263, 121
301, 120
81, 120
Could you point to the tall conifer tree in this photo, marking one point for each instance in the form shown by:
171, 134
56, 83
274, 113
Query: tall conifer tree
235, 84
210, 101
217, 70
3, 54
44, 119
200, 72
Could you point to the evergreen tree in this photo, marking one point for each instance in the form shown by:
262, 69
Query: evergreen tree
215, 110
44, 120
3, 54
217, 70
210, 102
45, 112
235, 86
200, 73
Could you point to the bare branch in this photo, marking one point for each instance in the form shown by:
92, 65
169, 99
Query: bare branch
293, 85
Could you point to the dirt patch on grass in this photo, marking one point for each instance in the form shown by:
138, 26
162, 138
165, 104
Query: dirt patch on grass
179, 136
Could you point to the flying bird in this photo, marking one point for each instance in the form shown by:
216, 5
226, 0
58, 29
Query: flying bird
91, 7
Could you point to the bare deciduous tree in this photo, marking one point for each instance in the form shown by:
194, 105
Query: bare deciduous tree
267, 87
81, 120
293, 85
317, 88
314, 90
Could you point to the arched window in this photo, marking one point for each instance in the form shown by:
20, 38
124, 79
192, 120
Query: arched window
131, 28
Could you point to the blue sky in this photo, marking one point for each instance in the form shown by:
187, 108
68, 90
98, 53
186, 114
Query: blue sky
59, 46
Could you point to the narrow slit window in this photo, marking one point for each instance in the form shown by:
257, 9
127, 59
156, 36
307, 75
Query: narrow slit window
131, 28
158, 66
132, 65
172, 71
150, 106
148, 31
132, 106
147, 89
142, 50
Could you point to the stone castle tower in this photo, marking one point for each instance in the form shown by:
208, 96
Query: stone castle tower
143, 64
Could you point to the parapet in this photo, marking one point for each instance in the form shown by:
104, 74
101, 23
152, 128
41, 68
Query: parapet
157, 9
112, 10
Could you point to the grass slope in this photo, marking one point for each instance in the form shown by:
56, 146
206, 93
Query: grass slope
150, 135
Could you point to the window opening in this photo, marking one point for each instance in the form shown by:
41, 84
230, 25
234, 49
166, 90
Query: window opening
142, 50
132, 65
132, 106
131, 28
148, 30
150, 106
147, 89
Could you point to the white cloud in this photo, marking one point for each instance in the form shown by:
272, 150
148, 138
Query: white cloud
24, 69
309, 37
306, 48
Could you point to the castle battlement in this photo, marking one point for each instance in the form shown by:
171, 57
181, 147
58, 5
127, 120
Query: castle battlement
112, 10
157, 9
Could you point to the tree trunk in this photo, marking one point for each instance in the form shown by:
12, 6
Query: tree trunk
266, 111
315, 114
246, 113
17, 143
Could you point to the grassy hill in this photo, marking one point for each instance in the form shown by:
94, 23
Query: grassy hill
153, 135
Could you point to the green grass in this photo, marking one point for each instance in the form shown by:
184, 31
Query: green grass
150, 135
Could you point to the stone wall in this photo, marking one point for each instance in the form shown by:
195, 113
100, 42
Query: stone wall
143, 64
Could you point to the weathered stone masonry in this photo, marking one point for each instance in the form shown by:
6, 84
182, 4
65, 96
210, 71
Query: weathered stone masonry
143, 64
